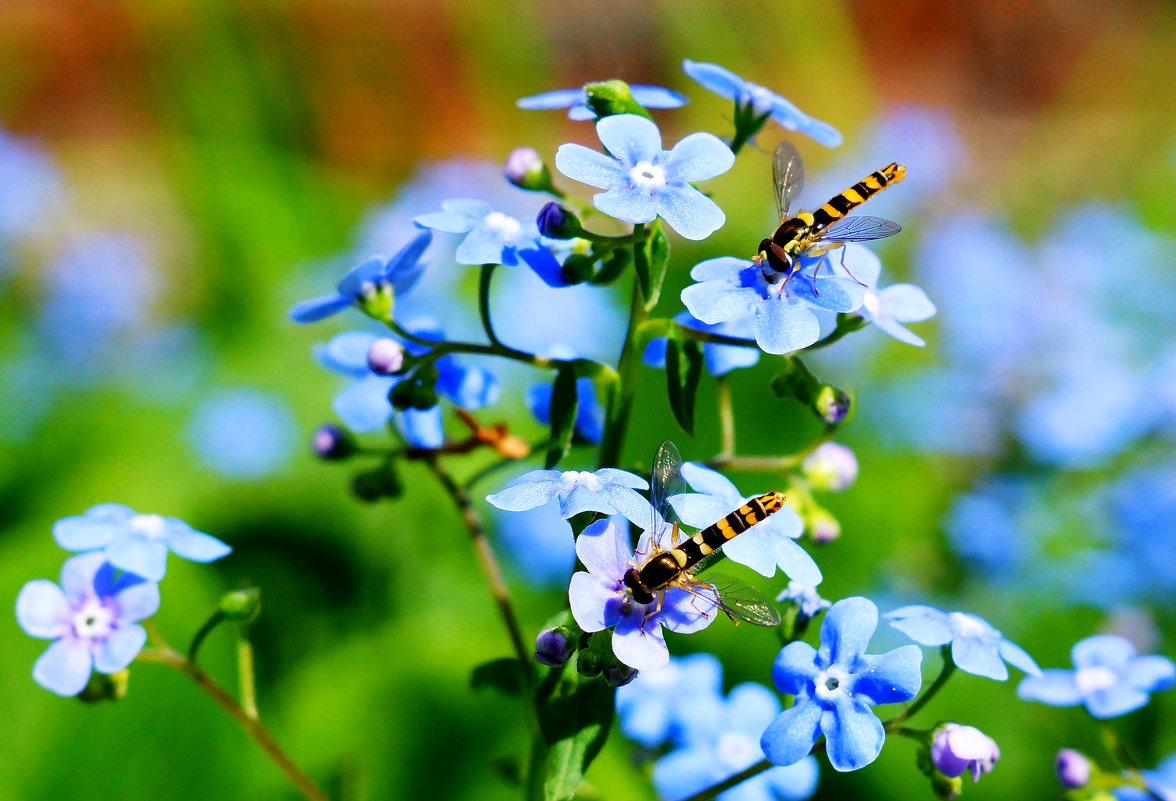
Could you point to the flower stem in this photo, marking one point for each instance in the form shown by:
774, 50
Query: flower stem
920, 702
1116, 749
620, 401
246, 680
726, 417
484, 278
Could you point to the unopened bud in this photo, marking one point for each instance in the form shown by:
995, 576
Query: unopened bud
557, 221
831, 404
589, 663
956, 749
619, 675
386, 356
830, 467
525, 169
105, 687
331, 443
612, 97
242, 606
822, 527
553, 648
379, 482
578, 268
1072, 767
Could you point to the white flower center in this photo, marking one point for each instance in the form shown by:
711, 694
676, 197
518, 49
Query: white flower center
965, 625
573, 477
505, 226
647, 176
737, 750
830, 683
1095, 678
92, 620
153, 527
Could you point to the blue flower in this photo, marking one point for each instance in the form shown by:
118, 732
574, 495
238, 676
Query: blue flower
32, 185
375, 283
495, 238
784, 308
134, 542
976, 647
589, 425
92, 619
887, 308
644, 181
1108, 678
242, 433
576, 100
661, 706
600, 600
719, 359
727, 84
808, 601
730, 744
836, 687
540, 544
608, 490
763, 547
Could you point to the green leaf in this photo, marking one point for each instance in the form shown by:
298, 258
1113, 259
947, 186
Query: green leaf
575, 714
564, 405
650, 259
683, 371
504, 675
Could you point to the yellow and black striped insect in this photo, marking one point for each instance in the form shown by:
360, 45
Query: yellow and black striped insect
812, 234
667, 568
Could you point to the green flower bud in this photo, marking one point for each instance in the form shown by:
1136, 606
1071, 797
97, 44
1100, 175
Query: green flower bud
577, 269
831, 404
612, 97
242, 606
377, 302
379, 482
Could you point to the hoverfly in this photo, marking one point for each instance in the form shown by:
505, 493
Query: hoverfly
675, 567
812, 234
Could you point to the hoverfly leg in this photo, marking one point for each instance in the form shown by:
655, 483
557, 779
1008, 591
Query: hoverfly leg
848, 271
660, 599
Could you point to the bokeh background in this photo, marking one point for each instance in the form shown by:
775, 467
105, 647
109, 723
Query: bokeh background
174, 175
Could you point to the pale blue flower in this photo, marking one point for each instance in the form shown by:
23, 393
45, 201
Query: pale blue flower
727, 84
29, 189
836, 687
608, 490
808, 601
719, 359
892, 306
136, 543
643, 181
976, 647
243, 433
92, 619
662, 706
493, 237
576, 100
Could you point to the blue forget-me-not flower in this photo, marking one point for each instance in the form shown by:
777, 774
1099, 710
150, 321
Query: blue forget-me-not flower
763, 547
662, 706
136, 543
976, 647
808, 601
887, 308
600, 600
576, 100
719, 359
727, 84
1108, 678
643, 181
608, 490
835, 688
374, 282
242, 433
92, 619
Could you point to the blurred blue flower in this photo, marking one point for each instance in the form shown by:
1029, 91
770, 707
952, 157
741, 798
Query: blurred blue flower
763, 101
608, 490
1109, 679
662, 706
729, 745
719, 359
92, 619
374, 281
493, 237
243, 433
808, 601
783, 306
576, 100
765, 546
539, 543
136, 543
600, 600
986, 527
836, 687
30, 185
589, 424
976, 647
946, 410
643, 181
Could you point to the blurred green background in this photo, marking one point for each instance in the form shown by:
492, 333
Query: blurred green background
244, 142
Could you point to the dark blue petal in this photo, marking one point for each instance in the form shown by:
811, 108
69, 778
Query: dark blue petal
890, 678
367, 272
545, 265
422, 428
310, 311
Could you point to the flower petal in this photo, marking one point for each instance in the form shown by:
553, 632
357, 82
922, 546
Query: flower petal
559, 98
137, 602
85, 532
721, 81
626, 203
686, 612
422, 428
1150, 673
638, 643
311, 311
923, 624
853, 733
656, 96
405, 268
364, 406
119, 649
711, 482
143, 557
1016, 656
892, 677
603, 548
689, 212
780, 326
699, 511
847, 628
1105, 650
797, 563
347, 353
906, 303
723, 268
1053, 687
468, 387
627, 502
369, 271
593, 601
451, 222
78, 572
612, 475
684, 772
898, 331
831, 294
65, 666
630, 138
42, 610
699, 156
481, 246
718, 301
589, 166
795, 667
185, 541
1114, 701
974, 655
795, 782
820, 132
793, 734
527, 491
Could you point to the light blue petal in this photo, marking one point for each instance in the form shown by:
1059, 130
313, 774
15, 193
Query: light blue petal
820, 132
603, 548
923, 624
78, 572
1016, 656
722, 359
626, 502
792, 736
794, 782
591, 600
717, 301
682, 773
185, 541
143, 557
656, 96
797, 563
699, 511
755, 549
626, 203
640, 649
697, 157
630, 138
364, 406
581, 113
65, 666
752, 707
369, 271
856, 261
687, 612
890, 678
780, 326
137, 602
119, 649
527, 491
721, 81
723, 268
447, 221
110, 513
980, 658
853, 733
907, 303
847, 629
42, 610
348, 353
1107, 650
795, 668
422, 428
831, 294
405, 268
85, 533
898, 331
711, 482
468, 387
481, 246
689, 212
612, 475
310, 311
589, 166
1053, 687
559, 98
1114, 701
1150, 673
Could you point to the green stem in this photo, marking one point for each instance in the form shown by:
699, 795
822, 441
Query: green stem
920, 702
476, 348
213, 621
1116, 749
484, 278
846, 324
246, 680
662, 327
620, 404
726, 417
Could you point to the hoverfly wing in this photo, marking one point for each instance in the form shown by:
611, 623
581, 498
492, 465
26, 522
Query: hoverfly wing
787, 176
739, 600
665, 482
860, 229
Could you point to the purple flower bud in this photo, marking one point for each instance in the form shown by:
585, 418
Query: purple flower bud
1072, 768
525, 169
619, 675
956, 748
557, 222
831, 467
386, 356
822, 527
552, 648
831, 404
332, 443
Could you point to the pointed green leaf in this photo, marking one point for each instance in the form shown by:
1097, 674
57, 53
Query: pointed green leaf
683, 371
564, 405
575, 714
650, 259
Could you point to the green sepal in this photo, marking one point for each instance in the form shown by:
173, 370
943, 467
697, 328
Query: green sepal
578, 268
614, 265
613, 97
829, 403
504, 675
747, 124
378, 302
683, 371
575, 715
105, 687
650, 258
943, 787
564, 405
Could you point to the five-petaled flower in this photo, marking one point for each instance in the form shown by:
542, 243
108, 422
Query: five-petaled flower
727, 84
1108, 678
600, 600
373, 284
643, 181
576, 100
784, 306
133, 542
835, 688
976, 647
92, 619
892, 306
608, 490
808, 601
763, 547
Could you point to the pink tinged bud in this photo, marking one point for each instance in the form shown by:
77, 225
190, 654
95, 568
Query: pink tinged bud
386, 356
1072, 768
332, 443
822, 527
831, 467
525, 169
956, 749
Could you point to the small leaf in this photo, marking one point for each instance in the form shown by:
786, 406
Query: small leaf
575, 714
683, 371
564, 405
504, 675
650, 259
